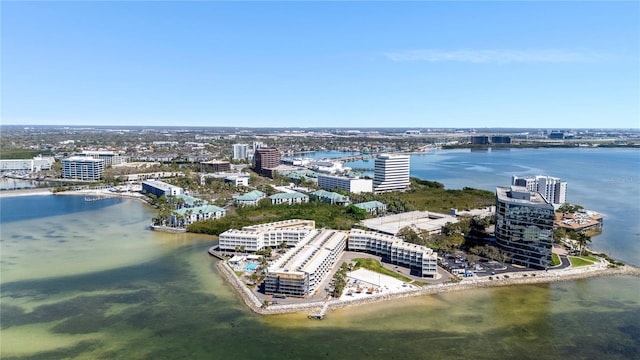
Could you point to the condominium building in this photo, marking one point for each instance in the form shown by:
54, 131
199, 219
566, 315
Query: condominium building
300, 271
256, 237
349, 184
240, 151
553, 189
266, 158
160, 188
82, 168
524, 226
420, 259
391, 173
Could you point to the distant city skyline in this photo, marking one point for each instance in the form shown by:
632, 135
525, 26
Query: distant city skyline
322, 64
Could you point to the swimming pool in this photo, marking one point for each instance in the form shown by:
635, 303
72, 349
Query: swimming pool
250, 267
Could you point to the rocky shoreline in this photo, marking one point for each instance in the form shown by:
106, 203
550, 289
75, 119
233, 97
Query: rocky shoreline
521, 278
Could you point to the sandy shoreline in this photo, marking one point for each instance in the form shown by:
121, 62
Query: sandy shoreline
520, 278
26, 192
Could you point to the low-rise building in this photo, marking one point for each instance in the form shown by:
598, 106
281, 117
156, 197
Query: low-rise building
585, 221
160, 188
215, 166
420, 259
373, 207
331, 197
289, 198
110, 157
419, 220
36, 164
252, 198
188, 215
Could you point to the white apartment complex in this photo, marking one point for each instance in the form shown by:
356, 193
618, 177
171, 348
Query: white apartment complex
420, 258
300, 271
391, 173
551, 188
82, 168
257, 237
160, 188
349, 184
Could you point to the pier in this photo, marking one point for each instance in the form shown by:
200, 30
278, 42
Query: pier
320, 315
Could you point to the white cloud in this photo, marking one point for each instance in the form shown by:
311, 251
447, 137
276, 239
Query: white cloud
495, 56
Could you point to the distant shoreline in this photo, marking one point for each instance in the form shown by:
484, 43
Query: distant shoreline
26, 192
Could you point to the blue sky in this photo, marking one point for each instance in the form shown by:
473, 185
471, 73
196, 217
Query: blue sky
322, 64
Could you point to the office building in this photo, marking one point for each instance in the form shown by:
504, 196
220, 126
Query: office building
215, 166
553, 189
349, 184
391, 173
82, 168
479, 140
110, 158
524, 226
265, 159
240, 151
36, 164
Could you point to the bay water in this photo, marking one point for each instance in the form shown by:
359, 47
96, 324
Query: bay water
88, 280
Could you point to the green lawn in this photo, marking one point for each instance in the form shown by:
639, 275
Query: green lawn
374, 265
555, 260
579, 261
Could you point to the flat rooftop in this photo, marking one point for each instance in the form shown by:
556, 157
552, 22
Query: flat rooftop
422, 220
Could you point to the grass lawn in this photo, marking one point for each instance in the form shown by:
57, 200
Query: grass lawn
579, 261
590, 258
374, 265
555, 260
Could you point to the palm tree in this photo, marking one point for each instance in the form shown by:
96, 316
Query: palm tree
583, 239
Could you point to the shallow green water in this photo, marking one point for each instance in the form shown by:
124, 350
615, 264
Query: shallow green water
145, 295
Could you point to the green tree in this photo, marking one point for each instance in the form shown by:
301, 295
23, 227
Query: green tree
583, 239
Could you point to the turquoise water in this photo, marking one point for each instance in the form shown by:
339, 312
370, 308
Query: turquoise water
87, 280
250, 267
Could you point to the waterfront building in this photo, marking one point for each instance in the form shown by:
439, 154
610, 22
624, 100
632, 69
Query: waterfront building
479, 140
501, 139
160, 188
188, 215
186, 201
419, 220
82, 168
391, 173
553, 189
420, 259
300, 271
354, 185
38, 163
289, 198
330, 197
252, 198
373, 207
240, 151
215, 166
585, 221
524, 226
328, 166
264, 159
256, 237
110, 157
